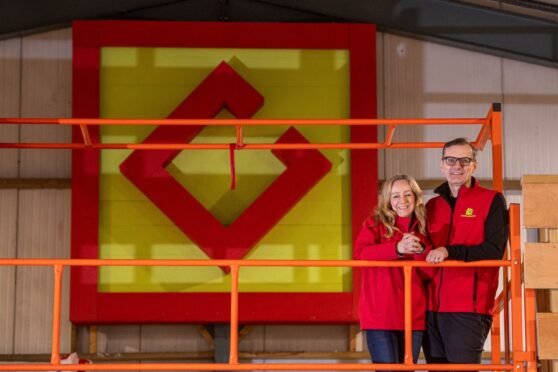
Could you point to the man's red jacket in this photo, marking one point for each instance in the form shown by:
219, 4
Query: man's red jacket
474, 226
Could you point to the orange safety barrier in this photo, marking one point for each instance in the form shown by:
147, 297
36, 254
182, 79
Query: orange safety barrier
491, 128
488, 126
522, 355
235, 265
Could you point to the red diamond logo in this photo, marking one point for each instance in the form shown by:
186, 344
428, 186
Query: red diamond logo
223, 88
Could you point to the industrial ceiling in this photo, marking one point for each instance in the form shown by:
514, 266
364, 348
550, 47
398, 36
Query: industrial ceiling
495, 27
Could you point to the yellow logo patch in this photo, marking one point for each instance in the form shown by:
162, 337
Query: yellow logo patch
469, 212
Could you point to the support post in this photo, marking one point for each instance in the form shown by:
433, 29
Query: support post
55, 355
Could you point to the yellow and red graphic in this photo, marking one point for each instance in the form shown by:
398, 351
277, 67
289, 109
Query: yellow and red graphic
290, 204
223, 88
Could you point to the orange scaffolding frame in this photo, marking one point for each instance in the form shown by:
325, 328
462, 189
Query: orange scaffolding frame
521, 355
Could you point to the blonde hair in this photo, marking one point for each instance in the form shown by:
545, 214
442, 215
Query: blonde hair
386, 216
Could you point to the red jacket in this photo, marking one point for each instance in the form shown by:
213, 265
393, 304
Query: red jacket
476, 228
381, 304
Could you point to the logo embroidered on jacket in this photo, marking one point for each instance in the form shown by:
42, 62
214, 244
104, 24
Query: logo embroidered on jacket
469, 213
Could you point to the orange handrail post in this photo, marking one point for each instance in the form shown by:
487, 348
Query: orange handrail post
55, 356
497, 152
239, 137
85, 134
408, 360
499, 304
516, 295
389, 135
495, 338
495, 125
233, 354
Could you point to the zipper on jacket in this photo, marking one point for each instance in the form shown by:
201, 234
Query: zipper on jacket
440, 287
475, 292
452, 207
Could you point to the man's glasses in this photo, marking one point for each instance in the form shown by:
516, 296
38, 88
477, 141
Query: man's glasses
451, 161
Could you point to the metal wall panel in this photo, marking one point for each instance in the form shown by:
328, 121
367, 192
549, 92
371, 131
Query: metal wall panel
149, 339
43, 232
178, 338
46, 92
9, 107
530, 119
306, 338
118, 339
423, 79
254, 340
10, 63
8, 227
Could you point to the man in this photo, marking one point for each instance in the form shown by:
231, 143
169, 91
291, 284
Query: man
468, 223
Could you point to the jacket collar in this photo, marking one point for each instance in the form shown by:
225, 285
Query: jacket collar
406, 224
444, 190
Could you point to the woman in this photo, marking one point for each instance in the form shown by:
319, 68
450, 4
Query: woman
396, 231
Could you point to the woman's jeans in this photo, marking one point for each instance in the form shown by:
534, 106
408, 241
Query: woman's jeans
389, 346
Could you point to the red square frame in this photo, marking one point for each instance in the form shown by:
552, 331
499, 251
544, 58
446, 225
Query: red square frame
87, 304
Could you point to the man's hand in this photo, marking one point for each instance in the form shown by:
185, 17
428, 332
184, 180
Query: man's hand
437, 255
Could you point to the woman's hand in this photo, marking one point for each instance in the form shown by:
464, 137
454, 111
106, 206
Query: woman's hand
437, 255
410, 244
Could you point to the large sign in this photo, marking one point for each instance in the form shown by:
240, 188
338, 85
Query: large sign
303, 204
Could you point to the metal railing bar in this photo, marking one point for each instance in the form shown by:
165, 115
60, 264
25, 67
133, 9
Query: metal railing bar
244, 122
255, 366
242, 263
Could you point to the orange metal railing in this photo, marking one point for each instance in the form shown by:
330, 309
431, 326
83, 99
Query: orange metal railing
235, 265
487, 127
524, 357
490, 129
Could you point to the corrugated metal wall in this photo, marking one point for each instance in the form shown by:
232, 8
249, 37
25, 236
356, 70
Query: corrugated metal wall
35, 72
415, 79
